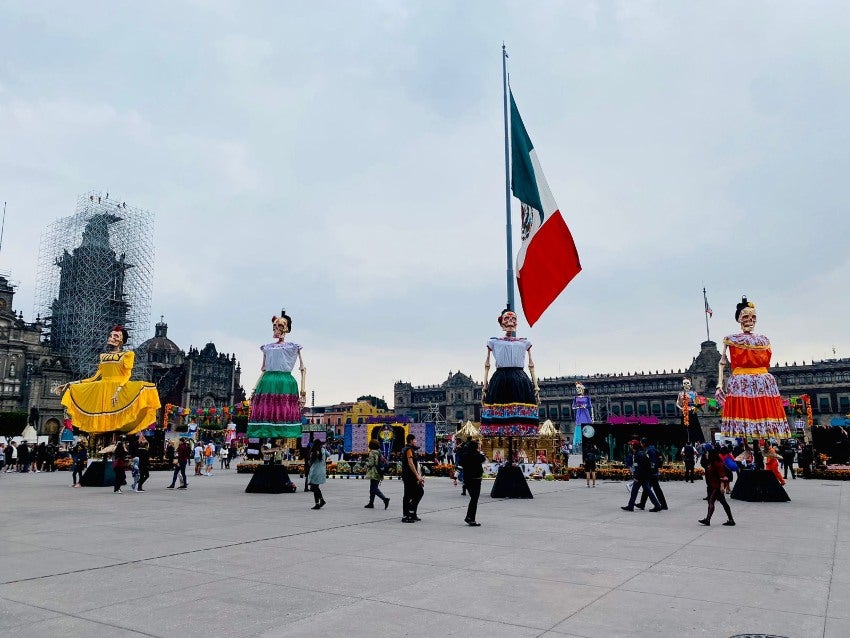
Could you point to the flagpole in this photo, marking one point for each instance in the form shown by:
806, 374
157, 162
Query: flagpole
510, 251
705, 299
3, 227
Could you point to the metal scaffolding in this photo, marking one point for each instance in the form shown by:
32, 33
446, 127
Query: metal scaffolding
95, 270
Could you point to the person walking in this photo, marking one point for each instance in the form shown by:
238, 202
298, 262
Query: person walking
79, 459
374, 465
231, 453
688, 454
590, 458
413, 482
198, 454
473, 471
318, 472
11, 456
24, 457
715, 476
209, 458
788, 452
119, 464
144, 456
180, 466
643, 471
656, 462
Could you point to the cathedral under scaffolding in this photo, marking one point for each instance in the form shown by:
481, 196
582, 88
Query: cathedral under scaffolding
95, 271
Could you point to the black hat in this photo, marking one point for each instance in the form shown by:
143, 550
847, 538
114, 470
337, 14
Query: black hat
740, 307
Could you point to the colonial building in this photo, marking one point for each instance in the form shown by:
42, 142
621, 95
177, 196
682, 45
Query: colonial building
644, 393
335, 417
458, 399
29, 371
202, 378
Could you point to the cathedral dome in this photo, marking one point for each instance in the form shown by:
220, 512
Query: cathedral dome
160, 343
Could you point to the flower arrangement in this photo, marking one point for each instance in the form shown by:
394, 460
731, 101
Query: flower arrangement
343, 467
63, 464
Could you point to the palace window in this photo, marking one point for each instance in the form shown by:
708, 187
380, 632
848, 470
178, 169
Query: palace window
656, 408
844, 403
628, 408
824, 403
615, 409
642, 408
670, 408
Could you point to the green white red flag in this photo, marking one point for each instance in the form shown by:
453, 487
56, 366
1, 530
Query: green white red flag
547, 260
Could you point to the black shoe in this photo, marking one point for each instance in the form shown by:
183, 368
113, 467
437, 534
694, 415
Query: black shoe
473, 524
627, 508
704, 521
386, 502
369, 506
664, 507
407, 519
317, 506
416, 518
640, 506
705, 499
170, 487
322, 503
656, 509
139, 489
729, 523
182, 487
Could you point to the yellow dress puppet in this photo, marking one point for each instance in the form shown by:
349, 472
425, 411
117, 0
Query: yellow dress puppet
109, 401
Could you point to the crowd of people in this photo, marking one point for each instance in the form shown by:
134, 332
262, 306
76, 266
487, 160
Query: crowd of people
27, 457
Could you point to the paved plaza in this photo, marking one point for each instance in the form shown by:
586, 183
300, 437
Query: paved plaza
214, 561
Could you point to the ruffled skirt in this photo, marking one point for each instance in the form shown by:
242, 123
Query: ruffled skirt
753, 408
91, 408
275, 409
510, 407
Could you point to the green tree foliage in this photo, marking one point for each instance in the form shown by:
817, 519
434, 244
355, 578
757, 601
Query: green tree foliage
374, 401
12, 423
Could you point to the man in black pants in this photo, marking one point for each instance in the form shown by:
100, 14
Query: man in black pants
413, 482
473, 469
788, 454
654, 476
688, 458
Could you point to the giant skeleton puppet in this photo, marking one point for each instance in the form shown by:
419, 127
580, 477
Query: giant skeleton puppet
276, 401
752, 406
686, 402
109, 401
510, 398
509, 402
583, 411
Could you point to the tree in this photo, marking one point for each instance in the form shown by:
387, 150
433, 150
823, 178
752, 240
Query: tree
374, 401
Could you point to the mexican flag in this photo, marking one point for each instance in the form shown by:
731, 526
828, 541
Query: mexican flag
548, 259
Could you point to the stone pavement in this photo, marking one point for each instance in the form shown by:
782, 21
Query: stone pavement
214, 561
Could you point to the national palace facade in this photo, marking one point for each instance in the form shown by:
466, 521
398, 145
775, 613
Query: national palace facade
645, 393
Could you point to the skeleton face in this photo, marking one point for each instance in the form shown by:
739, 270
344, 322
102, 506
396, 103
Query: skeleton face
686, 384
116, 339
280, 327
579, 389
508, 321
747, 319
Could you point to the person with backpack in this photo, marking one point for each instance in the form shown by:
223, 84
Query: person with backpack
376, 467
590, 458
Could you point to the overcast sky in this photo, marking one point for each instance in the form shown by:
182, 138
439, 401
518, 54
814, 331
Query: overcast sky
344, 160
